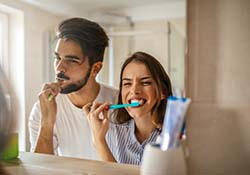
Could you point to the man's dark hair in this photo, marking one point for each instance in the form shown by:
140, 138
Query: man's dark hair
89, 35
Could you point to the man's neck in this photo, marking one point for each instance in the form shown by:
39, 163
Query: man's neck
85, 95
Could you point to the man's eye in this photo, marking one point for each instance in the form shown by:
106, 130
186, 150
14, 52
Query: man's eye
69, 60
57, 58
73, 61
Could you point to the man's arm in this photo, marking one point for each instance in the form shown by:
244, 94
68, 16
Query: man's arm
41, 135
47, 118
45, 140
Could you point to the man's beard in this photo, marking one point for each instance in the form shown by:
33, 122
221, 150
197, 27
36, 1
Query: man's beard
73, 87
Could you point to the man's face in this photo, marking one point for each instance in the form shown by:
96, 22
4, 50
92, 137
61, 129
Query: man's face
71, 66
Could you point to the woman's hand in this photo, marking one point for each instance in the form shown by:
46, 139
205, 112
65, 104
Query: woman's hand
97, 116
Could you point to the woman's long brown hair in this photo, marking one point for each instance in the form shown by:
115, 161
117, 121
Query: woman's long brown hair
163, 87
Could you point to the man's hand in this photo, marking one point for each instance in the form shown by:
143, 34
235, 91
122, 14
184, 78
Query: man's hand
48, 104
48, 111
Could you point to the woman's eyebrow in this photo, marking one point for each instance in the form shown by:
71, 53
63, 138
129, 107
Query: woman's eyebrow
142, 78
126, 79
146, 77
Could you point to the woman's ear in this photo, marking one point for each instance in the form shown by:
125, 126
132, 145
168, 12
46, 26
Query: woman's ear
163, 96
96, 68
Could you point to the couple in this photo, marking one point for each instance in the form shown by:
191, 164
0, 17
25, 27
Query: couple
65, 120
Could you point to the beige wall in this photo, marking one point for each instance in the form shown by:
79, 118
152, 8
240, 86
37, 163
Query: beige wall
218, 83
149, 36
35, 22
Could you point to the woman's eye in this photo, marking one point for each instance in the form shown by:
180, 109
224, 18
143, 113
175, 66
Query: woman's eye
126, 84
146, 83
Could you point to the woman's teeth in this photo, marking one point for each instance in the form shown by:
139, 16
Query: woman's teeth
141, 102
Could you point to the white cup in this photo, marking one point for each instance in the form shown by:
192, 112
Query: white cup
158, 162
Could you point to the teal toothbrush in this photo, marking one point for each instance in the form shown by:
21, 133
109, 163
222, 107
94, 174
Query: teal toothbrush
117, 106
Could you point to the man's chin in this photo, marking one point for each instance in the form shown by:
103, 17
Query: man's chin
71, 88
64, 92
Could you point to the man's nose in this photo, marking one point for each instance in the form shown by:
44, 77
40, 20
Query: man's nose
60, 66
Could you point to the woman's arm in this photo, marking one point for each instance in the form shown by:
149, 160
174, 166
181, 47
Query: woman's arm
104, 151
99, 127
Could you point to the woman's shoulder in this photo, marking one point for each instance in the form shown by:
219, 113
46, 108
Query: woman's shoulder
126, 125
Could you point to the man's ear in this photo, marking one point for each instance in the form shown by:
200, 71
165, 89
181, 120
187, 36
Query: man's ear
96, 68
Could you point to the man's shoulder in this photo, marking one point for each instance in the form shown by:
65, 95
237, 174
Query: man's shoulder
108, 90
107, 94
108, 87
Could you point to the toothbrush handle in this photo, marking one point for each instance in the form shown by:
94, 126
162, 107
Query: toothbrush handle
122, 105
118, 106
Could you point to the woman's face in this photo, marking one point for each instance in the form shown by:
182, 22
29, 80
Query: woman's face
138, 85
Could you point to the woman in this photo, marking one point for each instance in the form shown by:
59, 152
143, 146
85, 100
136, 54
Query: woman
143, 80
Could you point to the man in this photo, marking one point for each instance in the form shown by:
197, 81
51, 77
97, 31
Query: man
57, 123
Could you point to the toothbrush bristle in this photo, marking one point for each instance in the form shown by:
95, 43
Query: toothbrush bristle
135, 103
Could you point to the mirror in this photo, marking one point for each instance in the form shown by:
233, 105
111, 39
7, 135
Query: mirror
161, 33
163, 39
156, 27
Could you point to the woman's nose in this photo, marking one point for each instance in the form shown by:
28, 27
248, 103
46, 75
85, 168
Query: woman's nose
135, 89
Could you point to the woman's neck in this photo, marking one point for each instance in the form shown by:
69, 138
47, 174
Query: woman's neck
143, 128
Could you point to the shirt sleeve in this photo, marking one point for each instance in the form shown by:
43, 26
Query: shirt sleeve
34, 126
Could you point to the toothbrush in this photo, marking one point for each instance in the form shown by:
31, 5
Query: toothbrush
50, 97
134, 104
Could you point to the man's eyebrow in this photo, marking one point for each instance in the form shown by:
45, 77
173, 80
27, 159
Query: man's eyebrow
72, 57
68, 56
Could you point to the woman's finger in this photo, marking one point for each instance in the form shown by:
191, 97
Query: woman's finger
86, 108
100, 108
94, 106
